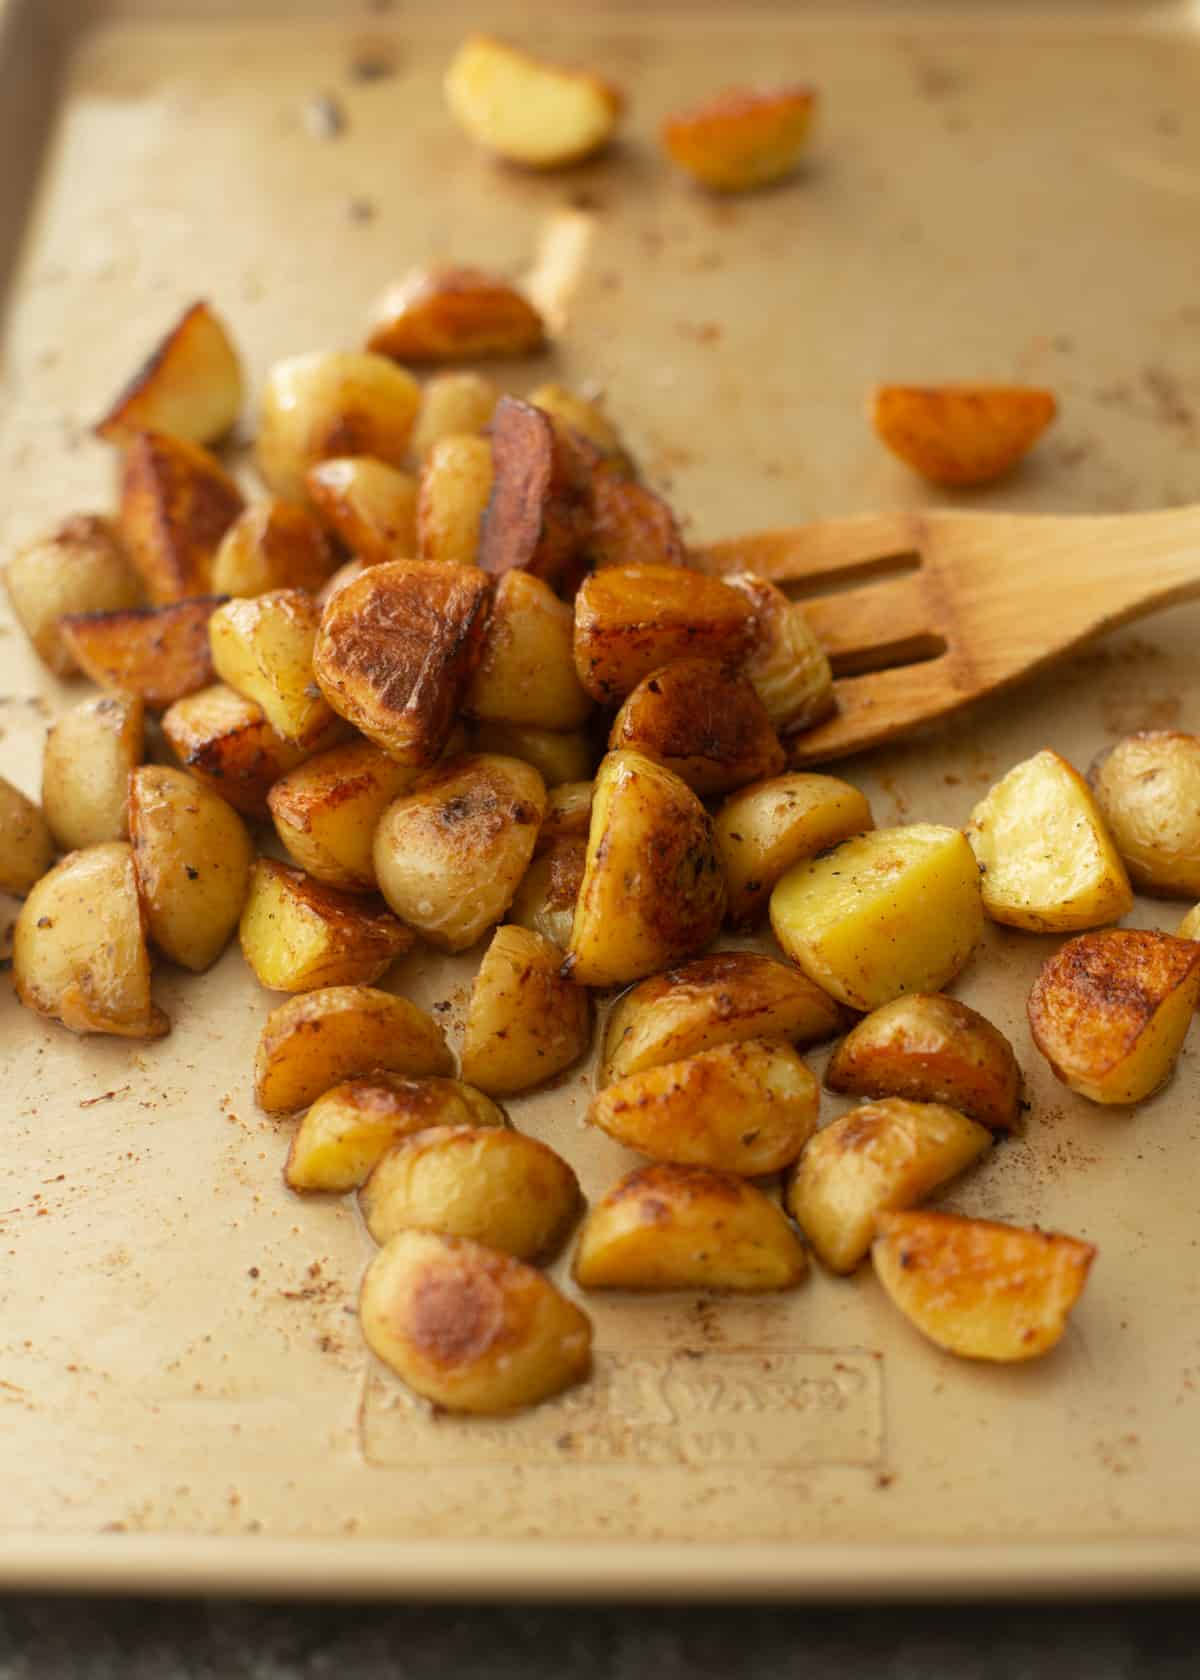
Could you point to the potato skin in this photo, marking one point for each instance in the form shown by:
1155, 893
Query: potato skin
704, 722
86, 763
190, 385
159, 653
743, 138
525, 1022
273, 545
314, 1041
26, 844
80, 567
369, 507
1148, 790
568, 814
961, 435
327, 809
329, 404
263, 646
225, 742
526, 672
453, 314
787, 665
539, 514
632, 620
631, 525
587, 419
763, 829
545, 900
177, 502
297, 934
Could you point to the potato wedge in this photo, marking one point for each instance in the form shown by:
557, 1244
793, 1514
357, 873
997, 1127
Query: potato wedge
880, 1156
631, 525
961, 435
263, 647
652, 892
273, 545
527, 110
453, 314
456, 484
26, 844
1110, 1011
347, 1130
568, 814
539, 515
86, 764
526, 671
190, 385
787, 664
668, 1226
488, 1183
369, 507
450, 855
765, 829
704, 722
1147, 788
632, 620
1047, 861
470, 1329
317, 1039
161, 654
931, 1049
80, 567
558, 755
587, 418
328, 404
744, 1108
743, 138
525, 1022
224, 740
177, 502
297, 934
978, 1289
728, 998
79, 950
326, 811
896, 910
453, 404
545, 900
397, 649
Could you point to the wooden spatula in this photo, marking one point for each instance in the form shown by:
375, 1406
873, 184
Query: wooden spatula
922, 613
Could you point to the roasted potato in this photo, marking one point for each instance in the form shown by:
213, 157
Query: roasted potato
652, 892
527, 110
744, 1108
161, 654
668, 1226
346, 1131
764, 829
470, 1329
453, 403
1109, 1011
456, 483
224, 740
328, 404
961, 435
450, 855
632, 620
631, 525
26, 844
882, 1155
545, 900
787, 664
273, 545
558, 755
896, 910
723, 999
453, 314
704, 722
488, 1183
177, 502
79, 950
326, 811
344, 575
370, 507
397, 649
264, 648
931, 1049
192, 858
314, 1041
743, 138
586, 417
1047, 861
297, 934
88, 756
539, 515
525, 1022
80, 567
190, 386
1148, 790
568, 814
526, 672
980, 1290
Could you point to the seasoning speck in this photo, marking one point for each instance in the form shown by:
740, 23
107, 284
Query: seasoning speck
324, 117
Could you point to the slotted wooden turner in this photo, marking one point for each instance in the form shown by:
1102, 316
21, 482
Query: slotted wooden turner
923, 612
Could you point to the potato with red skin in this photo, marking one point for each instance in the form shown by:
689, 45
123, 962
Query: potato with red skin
177, 502
704, 722
454, 314
959, 436
632, 620
161, 654
539, 516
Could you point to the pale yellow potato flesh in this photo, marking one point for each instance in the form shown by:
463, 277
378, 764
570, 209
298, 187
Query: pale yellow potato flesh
456, 483
263, 648
1147, 788
545, 900
275, 544
1189, 927
80, 567
190, 385
568, 814
332, 403
297, 934
787, 665
326, 811
585, 416
763, 829
527, 110
525, 1022
348, 1129
526, 672
558, 755
370, 507
453, 403
314, 1041
26, 843
86, 762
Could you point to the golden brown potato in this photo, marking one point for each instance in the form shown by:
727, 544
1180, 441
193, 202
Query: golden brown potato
586, 417
652, 892
347, 1130
880, 1156
190, 386
542, 115
159, 653
764, 829
453, 314
450, 855
224, 740
1148, 790
896, 910
26, 844
470, 1329
631, 526
297, 934
704, 722
273, 545
78, 568
456, 483
344, 575
744, 1108
723, 999
328, 404
370, 507
177, 502
1110, 1011
539, 516
961, 435
453, 404
743, 138
977, 1289
674, 1227
79, 950
787, 664
525, 1022
88, 756
192, 858
632, 620
488, 1183
314, 1041
568, 814
545, 900
526, 672
558, 755
397, 649
1047, 861
327, 810
263, 647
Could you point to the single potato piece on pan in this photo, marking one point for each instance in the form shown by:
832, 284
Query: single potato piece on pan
527, 110
297, 934
675, 1227
895, 910
632, 620
704, 722
587, 418
224, 740
568, 814
453, 314
539, 515
961, 435
558, 755
456, 485
1048, 862
470, 1329
328, 404
453, 403
1110, 1011
764, 829
79, 949
314, 1041
272, 545
1148, 790
545, 901
526, 671
161, 654
787, 664
86, 764
882, 1155
327, 809
263, 647
80, 567
977, 1289
369, 507
631, 525
177, 502
190, 386
525, 1022
26, 844
741, 138
931, 1049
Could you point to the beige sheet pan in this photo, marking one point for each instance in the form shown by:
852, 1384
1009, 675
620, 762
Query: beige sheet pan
185, 1400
